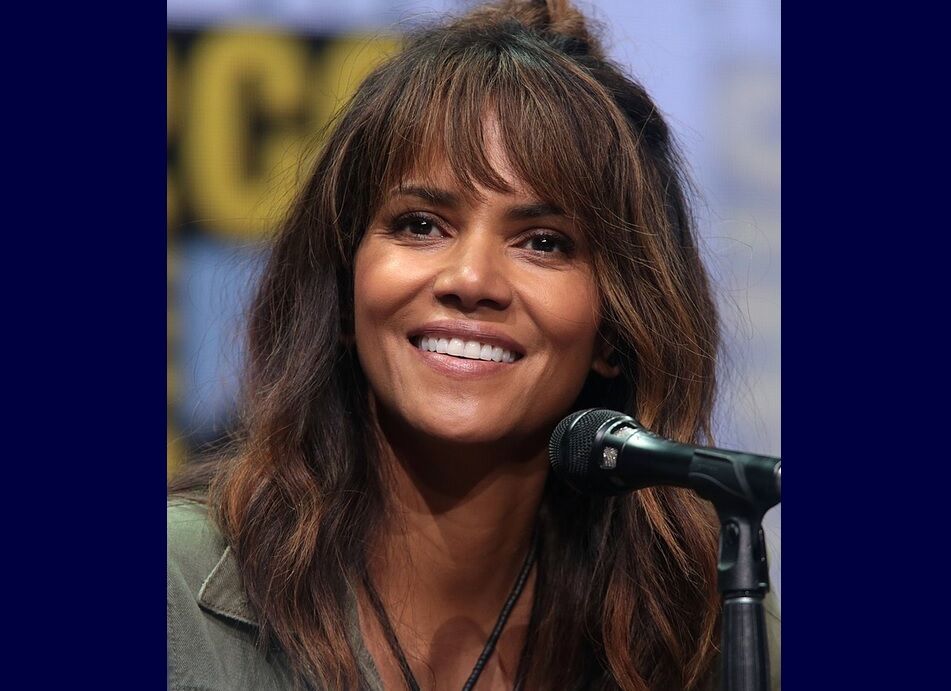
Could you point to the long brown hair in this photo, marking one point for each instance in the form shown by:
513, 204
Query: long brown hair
626, 586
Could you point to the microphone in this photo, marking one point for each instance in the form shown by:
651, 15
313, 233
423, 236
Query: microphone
605, 452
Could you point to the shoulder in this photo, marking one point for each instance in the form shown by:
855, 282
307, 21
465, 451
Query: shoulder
211, 631
194, 544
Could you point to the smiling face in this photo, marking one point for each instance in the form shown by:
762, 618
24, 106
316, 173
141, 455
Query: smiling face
475, 315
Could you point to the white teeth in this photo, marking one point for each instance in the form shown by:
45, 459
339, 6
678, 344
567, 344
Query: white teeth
472, 350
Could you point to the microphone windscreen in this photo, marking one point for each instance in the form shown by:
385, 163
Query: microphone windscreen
569, 448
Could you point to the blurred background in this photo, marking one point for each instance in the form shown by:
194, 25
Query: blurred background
251, 83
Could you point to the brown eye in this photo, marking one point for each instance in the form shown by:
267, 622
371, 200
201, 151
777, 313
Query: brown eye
549, 243
416, 225
421, 227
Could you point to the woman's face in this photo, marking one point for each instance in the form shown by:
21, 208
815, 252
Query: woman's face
503, 282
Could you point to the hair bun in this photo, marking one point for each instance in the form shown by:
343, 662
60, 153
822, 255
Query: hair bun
557, 20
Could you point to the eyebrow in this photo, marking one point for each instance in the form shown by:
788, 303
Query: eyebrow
533, 210
432, 195
445, 198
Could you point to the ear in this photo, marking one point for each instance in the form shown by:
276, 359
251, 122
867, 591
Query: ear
604, 361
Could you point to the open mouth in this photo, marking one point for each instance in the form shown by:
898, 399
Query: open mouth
465, 349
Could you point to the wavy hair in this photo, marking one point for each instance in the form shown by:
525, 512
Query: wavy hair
626, 586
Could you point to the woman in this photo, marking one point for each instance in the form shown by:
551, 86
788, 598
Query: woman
495, 234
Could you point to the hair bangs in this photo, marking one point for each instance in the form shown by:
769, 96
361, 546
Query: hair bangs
561, 133
439, 120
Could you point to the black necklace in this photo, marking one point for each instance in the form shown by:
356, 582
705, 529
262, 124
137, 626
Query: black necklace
397, 650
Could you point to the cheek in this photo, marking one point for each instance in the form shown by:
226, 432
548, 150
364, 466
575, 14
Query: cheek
566, 310
366, 291
382, 285
376, 291
387, 288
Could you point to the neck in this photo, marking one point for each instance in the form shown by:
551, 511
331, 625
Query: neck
463, 519
463, 515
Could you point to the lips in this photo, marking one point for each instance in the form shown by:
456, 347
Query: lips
465, 350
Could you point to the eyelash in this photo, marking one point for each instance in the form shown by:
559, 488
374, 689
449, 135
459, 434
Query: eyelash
400, 224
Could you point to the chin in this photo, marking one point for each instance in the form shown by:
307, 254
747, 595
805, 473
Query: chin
457, 420
450, 429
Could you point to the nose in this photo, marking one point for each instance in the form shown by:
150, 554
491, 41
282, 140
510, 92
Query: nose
473, 274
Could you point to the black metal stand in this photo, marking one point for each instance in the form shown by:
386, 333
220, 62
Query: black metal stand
743, 582
741, 500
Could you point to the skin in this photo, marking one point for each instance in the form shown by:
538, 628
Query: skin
466, 456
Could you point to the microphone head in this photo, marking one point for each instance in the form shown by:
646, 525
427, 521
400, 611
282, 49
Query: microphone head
571, 447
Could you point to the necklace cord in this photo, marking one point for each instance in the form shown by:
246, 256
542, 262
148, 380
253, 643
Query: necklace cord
389, 633
394, 644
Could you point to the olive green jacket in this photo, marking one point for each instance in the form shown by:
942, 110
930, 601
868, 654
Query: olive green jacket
211, 628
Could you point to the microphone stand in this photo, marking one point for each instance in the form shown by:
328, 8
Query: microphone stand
742, 579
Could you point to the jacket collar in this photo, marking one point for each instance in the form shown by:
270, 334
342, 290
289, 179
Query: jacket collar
222, 592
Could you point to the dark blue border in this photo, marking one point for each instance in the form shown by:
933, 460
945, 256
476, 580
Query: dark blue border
85, 102
863, 397
84, 330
